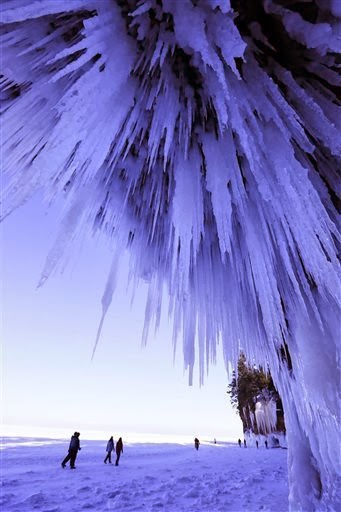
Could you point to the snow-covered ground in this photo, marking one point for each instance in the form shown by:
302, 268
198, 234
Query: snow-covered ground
150, 477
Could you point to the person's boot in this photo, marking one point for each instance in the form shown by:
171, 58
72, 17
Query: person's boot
63, 465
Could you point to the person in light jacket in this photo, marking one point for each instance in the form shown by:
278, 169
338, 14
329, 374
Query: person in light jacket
109, 449
119, 450
74, 447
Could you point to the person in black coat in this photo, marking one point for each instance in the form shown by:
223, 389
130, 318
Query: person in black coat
73, 450
196, 443
119, 450
109, 449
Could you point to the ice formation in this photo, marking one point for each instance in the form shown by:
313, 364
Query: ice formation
203, 135
266, 417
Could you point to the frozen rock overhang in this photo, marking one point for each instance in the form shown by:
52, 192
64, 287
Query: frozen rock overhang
201, 134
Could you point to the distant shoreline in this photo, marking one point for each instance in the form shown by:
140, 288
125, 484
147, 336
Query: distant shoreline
97, 436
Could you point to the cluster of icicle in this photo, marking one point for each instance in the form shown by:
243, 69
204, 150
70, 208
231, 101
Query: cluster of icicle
201, 134
266, 416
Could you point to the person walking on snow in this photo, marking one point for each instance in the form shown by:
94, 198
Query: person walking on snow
119, 450
196, 443
109, 449
73, 450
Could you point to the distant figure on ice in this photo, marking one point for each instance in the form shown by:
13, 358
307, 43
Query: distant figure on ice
266, 444
257, 444
109, 449
215, 441
119, 450
240, 443
196, 443
74, 446
244, 443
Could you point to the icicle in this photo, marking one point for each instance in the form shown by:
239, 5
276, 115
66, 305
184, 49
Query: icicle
266, 416
107, 298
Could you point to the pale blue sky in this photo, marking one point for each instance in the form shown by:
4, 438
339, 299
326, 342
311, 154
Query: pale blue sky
49, 379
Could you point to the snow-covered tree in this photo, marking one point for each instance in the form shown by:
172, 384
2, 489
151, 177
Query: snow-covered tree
203, 135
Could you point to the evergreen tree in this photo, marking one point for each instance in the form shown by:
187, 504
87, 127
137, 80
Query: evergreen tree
250, 384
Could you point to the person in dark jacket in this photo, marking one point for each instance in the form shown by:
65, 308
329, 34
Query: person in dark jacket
196, 443
73, 450
119, 450
109, 449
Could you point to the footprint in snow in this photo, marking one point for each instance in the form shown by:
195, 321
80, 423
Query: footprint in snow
113, 494
149, 478
184, 479
192, 493
36, 499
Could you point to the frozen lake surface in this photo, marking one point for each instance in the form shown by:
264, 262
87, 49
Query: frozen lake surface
151, 477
